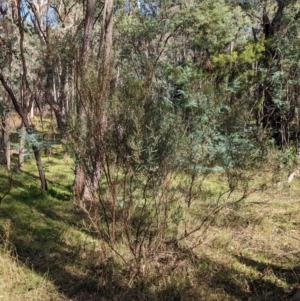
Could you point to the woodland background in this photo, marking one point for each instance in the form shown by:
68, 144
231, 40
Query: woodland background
149, 149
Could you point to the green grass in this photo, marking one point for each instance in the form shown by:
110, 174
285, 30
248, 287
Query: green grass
18, 282
248, 252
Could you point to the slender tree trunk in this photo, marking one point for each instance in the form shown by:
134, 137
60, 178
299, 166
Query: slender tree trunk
22, 145
6, 142
29, 129
39, 165
49, 97
107, 66
32, 110
88, 175
88, 30
79, 186
108, 30
62, 99
79, 181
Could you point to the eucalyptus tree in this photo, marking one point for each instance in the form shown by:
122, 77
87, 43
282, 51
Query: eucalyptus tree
22, 101
93, 88
7, 51
55, 24
268, 57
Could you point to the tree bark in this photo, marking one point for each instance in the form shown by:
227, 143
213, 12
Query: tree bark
79, 186
6, 142
88, 175
108, 30
88, 30
22, 146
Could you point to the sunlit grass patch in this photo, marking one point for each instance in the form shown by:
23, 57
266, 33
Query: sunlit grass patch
18, 282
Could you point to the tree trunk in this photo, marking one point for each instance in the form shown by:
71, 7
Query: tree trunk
62, 99
88, 175
108, 32
49, 97
107, 66
80, 180
29, 129
32, 110
88, 29
6, 142
39, 165
22, 146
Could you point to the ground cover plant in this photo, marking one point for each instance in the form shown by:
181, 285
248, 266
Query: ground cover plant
248, 250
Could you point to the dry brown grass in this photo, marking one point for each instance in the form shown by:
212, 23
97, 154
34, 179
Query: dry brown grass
18, 282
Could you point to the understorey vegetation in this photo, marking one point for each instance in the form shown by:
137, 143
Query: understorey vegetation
149, 150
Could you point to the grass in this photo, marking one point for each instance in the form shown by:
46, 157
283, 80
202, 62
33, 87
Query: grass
18, 282
250, 251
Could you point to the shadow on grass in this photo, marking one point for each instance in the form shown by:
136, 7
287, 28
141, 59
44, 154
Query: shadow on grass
39, 221
288, 275
232, 283
40, 244
51, 183
236, 284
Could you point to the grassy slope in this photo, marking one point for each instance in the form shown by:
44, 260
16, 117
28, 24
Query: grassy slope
249, 253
